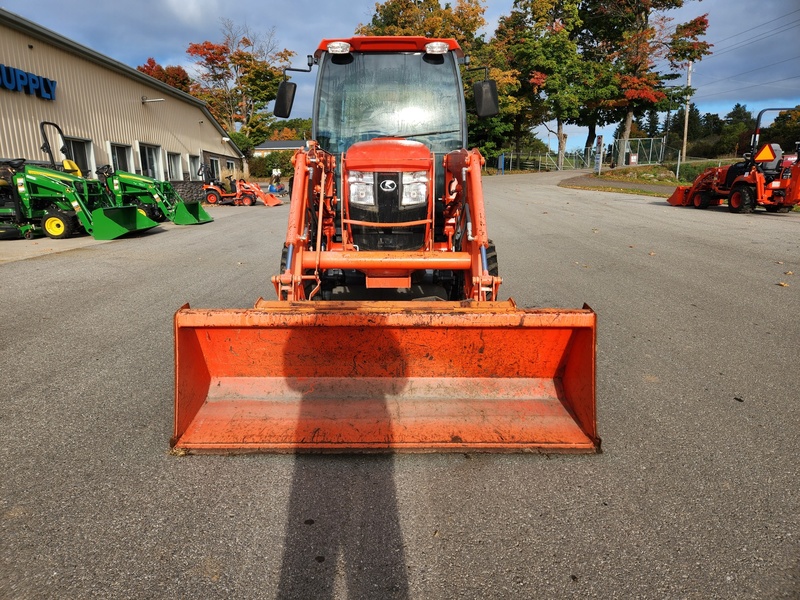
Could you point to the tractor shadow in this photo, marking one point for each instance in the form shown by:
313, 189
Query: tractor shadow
343, 534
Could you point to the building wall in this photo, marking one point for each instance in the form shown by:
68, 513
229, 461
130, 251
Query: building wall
103, 106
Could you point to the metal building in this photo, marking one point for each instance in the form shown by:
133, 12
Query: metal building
110, 113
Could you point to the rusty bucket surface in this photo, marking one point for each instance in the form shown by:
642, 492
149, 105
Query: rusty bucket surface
385, 376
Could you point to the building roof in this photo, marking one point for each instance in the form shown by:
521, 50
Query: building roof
49, 36
280, 145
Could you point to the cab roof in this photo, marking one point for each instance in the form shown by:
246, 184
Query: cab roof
389, 44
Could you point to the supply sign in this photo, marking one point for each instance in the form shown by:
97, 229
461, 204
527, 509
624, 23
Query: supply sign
17, 80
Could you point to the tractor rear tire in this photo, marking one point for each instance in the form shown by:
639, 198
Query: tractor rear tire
57, 225
212, 197
742, 199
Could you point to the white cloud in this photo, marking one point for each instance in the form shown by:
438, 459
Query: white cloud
194, 12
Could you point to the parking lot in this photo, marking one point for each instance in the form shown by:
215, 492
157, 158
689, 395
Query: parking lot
695, 494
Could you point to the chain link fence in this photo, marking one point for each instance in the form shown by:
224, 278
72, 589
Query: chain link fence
638, 151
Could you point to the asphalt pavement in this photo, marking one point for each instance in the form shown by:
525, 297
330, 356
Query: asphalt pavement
695, 494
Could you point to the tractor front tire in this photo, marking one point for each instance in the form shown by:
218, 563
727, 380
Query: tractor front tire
57, 225
701, 200
212, 197
248, 199
742, 199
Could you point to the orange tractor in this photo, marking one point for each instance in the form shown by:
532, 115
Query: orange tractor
765, 178
239, 192
386, 333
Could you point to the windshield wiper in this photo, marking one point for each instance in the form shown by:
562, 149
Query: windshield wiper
412, 135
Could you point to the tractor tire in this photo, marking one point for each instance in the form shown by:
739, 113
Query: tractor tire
742, 199
153, 212
248, 199
212, 197
701, 200
57, 225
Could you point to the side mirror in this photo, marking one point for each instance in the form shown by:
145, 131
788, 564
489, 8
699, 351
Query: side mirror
486, 101
285, 99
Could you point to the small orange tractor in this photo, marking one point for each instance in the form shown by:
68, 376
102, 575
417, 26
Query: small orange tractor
240, 192
386, 333
765, 178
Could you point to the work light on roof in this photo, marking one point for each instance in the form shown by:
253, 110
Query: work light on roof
437, 48
339, 48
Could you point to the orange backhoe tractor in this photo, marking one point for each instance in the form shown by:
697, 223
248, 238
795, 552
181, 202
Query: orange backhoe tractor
764, 178
239, 192
387, 333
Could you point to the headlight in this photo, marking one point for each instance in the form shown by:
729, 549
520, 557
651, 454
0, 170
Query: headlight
362, 188
415, 188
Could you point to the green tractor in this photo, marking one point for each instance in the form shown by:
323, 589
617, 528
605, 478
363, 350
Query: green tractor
35, 199
157, 199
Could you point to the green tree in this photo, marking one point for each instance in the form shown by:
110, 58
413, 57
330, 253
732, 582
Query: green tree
244, 143
735, 136
712, 124
547, 56
652, 124
785, 130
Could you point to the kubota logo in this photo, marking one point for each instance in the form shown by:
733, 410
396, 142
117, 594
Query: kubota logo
387, 185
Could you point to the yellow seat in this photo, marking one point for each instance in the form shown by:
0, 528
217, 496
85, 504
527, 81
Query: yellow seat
71, 167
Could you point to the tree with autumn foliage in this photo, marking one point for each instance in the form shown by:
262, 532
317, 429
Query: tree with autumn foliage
637, 38
238, 77
175, 76
428, 18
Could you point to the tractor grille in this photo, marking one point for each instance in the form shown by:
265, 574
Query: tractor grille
388, 191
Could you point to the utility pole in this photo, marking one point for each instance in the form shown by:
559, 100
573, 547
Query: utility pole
686, 111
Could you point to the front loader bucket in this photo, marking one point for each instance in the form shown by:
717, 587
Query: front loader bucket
391, 376
190, 214
680, 196
271, 199
111, 223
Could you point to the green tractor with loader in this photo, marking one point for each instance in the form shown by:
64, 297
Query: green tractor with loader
35, 199
156, 198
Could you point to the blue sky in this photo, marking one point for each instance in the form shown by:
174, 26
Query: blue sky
756, 60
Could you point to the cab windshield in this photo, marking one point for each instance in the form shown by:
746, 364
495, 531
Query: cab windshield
411, 95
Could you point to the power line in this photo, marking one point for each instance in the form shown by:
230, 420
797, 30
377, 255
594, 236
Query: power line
750, 30
750, 71
784, 27
747, 87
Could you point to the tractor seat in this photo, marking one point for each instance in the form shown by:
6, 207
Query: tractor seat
71, 167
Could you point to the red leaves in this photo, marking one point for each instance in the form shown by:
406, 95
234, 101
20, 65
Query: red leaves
537, 79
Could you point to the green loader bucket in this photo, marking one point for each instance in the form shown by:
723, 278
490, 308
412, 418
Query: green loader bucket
190, 214
111, 223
